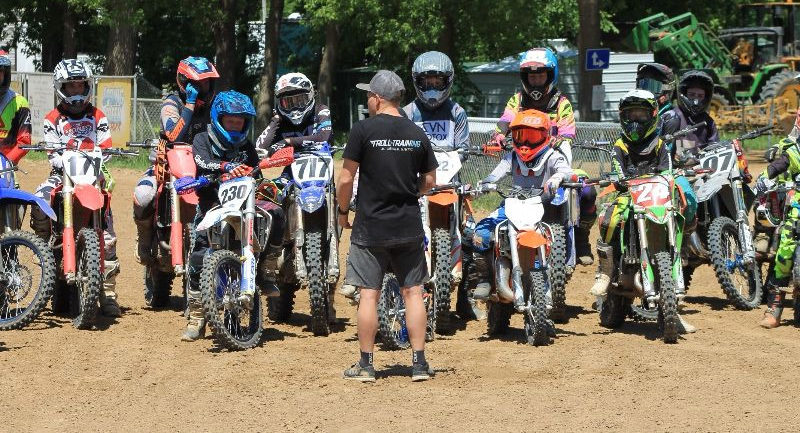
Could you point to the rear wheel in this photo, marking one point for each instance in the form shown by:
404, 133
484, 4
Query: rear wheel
235, 327
668, 302
86, 292
392, 315
613, 310
280, 309
740, 282
27, 278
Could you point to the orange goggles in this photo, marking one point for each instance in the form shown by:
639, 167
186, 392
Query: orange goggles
530, 136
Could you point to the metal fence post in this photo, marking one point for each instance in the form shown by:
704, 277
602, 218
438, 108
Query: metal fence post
135, 109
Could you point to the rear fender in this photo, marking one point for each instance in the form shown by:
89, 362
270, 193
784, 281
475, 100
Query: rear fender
17, 196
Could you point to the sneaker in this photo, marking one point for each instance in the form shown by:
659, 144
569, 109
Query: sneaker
348, 291
421, 372
359, 373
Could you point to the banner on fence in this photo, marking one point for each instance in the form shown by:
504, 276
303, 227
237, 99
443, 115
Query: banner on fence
41, 98
114, 99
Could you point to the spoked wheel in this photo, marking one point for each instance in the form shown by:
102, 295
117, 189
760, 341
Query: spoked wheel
668, 302
498, 317
189, 238
392, 315
557, 273
85, 294
536, 325
741, 282
317, 285
27, 278
443, 282
235, 327
613, 310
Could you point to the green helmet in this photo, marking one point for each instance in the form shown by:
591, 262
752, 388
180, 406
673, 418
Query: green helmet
638, 115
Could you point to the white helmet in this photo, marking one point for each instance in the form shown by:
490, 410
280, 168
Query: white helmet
294, 96
437, 64
72, 70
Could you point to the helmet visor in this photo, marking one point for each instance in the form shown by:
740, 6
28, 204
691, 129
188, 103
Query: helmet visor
432, 82
294, 102
529, 136
651, 85
636, 114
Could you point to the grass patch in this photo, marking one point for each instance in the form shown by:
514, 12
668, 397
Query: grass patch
758, 143
487, 203
138, 162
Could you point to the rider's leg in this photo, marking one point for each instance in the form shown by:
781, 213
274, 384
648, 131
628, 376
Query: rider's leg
40, 223
605, 252
482, 240
588, 216
196, 326
144, 195
690, 213
783, 270
108, 297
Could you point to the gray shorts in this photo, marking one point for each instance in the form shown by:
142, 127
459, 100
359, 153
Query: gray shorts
367, 265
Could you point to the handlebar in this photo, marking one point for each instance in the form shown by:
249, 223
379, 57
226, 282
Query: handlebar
110, 151
756, 133
683, 132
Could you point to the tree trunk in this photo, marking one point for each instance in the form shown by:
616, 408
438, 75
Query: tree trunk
52, 36
70, 46
225, 41
588, 37
447, 39
266, 90
327, 66
121, 46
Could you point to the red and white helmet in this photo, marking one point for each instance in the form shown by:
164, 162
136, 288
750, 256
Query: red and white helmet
196, 69
69, 70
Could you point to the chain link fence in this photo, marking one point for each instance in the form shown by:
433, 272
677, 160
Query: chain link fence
593, 162
148, 112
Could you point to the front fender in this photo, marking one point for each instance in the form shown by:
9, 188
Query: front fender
216, 215
89, 196
311, 198
706, 188
15, 195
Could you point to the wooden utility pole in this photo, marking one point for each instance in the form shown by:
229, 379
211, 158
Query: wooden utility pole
588, 37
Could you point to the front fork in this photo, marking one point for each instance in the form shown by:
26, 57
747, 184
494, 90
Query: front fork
175, 229
248, 281
743, 224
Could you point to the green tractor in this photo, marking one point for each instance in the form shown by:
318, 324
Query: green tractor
750, 65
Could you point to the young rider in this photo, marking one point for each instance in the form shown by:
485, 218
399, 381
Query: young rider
15, 116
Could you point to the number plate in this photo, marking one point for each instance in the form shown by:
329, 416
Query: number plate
82, 168
653, 191
309, 168
721, 160
234, 192
449, 165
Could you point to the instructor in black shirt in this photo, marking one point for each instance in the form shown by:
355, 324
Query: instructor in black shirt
396, 163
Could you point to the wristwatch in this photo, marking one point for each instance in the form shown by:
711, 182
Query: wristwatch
342, 212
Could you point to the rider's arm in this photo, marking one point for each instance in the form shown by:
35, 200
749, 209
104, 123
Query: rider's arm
18, 135
52, 137
427, 181
461, 130
203, 157
175, 120
267, 137
512, 106
502, 170
322, 131
778, 166
102, 130
664, 154
713, 133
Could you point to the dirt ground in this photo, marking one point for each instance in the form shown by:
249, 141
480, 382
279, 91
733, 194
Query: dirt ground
134, 374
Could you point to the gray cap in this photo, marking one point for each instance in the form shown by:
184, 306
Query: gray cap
385, 84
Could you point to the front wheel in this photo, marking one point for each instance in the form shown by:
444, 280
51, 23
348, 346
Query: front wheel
613, 310
536, 326
557, 273
740, 282
27, 278
280, 309
392, 315
668, 302
234, 326
317, 284
86, 292
443, 282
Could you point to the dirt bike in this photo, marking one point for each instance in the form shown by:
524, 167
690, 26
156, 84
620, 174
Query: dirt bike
522, 256
238, 230
173, 220
724, 237
81, 202
650, 236
439, 256
313, 260
28, 271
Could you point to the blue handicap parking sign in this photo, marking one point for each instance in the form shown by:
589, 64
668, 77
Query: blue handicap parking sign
597, 58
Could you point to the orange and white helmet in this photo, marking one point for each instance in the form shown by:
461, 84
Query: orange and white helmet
531, 132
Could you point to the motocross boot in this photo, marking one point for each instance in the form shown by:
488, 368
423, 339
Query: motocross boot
482, 274
761, 244
772, 317
108, 297
605, 267
331, 308
144, 239
268, 267
583, 250
196, 328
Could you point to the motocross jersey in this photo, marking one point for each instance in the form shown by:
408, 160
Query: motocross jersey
211, 157
787, 164
558, 108
88, 131
180, 124
446, 126
675, 120
15, 125
530, 176
627, 162
316, 127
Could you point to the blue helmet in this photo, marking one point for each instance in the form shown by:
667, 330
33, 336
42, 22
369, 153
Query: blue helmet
539, 60
231, 102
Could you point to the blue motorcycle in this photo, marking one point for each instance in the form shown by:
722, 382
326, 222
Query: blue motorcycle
28, 272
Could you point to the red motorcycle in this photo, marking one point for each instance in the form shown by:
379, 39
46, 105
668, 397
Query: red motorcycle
173, 220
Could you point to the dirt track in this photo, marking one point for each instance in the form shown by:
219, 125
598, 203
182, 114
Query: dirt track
135, 375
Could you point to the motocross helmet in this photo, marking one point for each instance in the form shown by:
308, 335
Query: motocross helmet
539, 60
692, 79
294, 95
531, 132
657, 79
5, 67
231, 103
194, 70
638, 116
432, 63
73, 70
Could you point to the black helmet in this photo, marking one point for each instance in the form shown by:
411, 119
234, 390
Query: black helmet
656, 78
695, 79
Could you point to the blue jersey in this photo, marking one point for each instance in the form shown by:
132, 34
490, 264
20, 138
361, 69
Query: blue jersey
446, 126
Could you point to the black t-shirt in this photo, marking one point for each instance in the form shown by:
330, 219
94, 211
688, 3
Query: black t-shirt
392, 152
